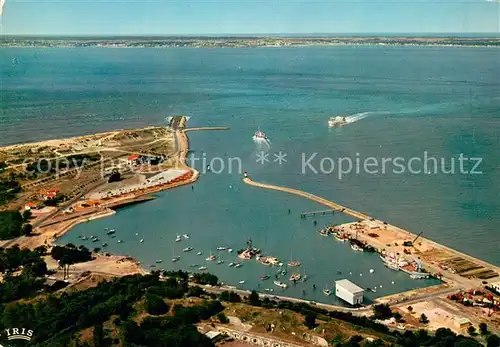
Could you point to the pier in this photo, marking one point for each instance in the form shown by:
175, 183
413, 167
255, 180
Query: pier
436, 258
315, 213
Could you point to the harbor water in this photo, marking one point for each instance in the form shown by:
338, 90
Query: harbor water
401, 102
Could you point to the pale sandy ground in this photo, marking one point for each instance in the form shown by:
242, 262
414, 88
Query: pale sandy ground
114, 265
438, 316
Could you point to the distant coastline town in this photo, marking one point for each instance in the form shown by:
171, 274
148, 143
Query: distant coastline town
244, 42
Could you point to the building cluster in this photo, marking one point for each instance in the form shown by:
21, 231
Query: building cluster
478, 298
139, 159
44, 195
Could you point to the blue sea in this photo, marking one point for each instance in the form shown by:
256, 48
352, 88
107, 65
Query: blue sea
407, 102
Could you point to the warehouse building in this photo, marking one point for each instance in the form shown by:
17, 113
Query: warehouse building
349, 292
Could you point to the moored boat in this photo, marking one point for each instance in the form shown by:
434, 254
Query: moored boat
280, 284
176, 258
188, 249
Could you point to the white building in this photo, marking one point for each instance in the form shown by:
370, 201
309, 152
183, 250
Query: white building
349, 292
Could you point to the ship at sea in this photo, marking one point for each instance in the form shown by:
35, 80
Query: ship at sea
260, 136
337, 121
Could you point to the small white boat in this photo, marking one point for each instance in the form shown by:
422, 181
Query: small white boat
119, 241
141, 240
159, 261
221, 248
178, 238
220, 262
186, 236
201, 268
372, 271
241, 282
230, 250
231, 264
136, 234
188, 249
237, 265
194, 265
199, 253
176, 258
280, 284
327, 291
211, 258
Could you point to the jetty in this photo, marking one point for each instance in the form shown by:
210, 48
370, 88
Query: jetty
315, 213
436, 258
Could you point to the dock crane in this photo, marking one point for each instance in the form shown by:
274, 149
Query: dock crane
411, 243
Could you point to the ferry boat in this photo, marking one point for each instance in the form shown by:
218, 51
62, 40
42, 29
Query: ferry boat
327, 291
188, 249
176, 258
392, 261
295, 277
280, 284
337, 121
259, 136
415, 270
294, 263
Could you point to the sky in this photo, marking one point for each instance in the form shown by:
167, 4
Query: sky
205, 17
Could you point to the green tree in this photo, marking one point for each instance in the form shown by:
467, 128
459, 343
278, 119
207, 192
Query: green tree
26, 229
114, 177
424, 319
310, 320
26, 215
98, 336
155, 304
253, 298
471, 330
382, 311
222, 318
493, 341
483, 328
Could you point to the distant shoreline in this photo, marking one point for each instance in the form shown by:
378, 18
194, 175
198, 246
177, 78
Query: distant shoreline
248, 42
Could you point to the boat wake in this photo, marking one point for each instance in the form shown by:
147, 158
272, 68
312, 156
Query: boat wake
362, 115
262, 143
